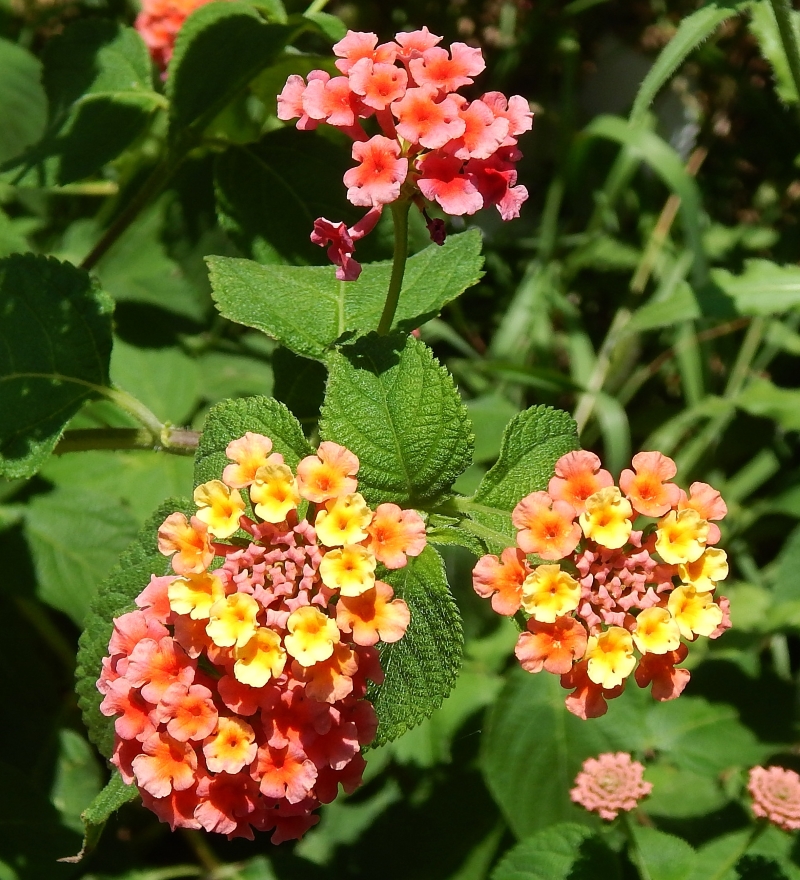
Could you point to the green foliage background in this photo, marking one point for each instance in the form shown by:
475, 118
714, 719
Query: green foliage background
651, 288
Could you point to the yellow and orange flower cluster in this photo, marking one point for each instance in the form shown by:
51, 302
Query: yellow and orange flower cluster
604, 599
239, 683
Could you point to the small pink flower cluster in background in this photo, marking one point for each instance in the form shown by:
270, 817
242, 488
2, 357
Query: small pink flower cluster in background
158, 24
609, 783
601, 590
776, 796
434, 143
239, 691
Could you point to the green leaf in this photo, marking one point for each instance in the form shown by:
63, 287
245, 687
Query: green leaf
421, 669
230, 375
668, 165
78, 778
75, 538
786, 584
331, 26
490, 415
681, 306
233, 418
55, 327
764, 288
165, 380
693, 30
670, 784
269, 195
764, 27
391, 403
306, 309
532, 750
665, 857
114, 597
563, 852
106, 802
533, 442
716, 859
762, 398
23, 103
97, 76
220, 48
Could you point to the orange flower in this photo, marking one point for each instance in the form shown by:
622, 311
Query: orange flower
578, 475
395, 533
188, 712
551, 646
154, 666
231, 748
332, 679
373, 616
312, 635
188, 541
647, 490
708, 503
668, 682
165, 765
588, 700
328, 474
501, 579
249, 453
548, 527
285, 773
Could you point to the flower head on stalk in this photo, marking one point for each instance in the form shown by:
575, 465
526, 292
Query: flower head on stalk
239, 693
605, 596
610, 783
415, 138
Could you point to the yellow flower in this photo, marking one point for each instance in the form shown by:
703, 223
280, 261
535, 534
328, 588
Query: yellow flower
261, 659
607, 518
219, 507
681, 537
656, 632
704, 573
610, 657
351, 569
548, 593
694, 612
274, 492
343, 521
233, 620
194, 594
312, 635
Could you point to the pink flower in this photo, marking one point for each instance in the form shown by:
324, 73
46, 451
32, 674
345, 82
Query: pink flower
412, 44
377, 180
515, 110
342, 242
378, 84
776, 796
425, 121
331, 101
610, 783
445, 72
483, 134
357, 45
443, 182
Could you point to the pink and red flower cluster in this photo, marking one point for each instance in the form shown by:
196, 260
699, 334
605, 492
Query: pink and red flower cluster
433, 144
239, 690
599, 591
609, 783
776, 796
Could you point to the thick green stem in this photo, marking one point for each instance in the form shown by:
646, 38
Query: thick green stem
783, 16
180, 440
400, 216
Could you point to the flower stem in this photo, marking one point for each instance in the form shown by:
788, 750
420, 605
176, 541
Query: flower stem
783, 16
400, 210
180, 440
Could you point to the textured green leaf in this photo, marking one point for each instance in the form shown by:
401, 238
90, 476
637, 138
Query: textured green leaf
397, 409
694, 29
306, 309
269, 195
532, 750
666, 857
107, 801
220, 48
166, 380
23, 103
114, 597
232, 418
75, 537
421, 669
490, 416
97, 76
670, 784
762, 398
533, 442
716, 859
55, 335
563, 852
764, 27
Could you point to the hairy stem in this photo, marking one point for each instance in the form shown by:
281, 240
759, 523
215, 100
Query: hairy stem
400, 216
180, 440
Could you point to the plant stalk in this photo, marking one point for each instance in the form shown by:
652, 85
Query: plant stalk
180, 440
400, 210
783, 16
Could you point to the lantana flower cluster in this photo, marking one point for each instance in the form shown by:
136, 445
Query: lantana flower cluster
433, 144
776, 796
621, 579
610, 783
239, 690
158, 24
